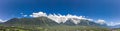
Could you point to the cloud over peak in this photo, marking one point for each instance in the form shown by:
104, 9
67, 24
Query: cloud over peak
100, 21
63, 18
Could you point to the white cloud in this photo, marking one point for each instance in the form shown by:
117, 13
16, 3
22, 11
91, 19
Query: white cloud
100, 21
39, 14
60, 18
25, 15
1, 21
90, 19
57, 18
76, 21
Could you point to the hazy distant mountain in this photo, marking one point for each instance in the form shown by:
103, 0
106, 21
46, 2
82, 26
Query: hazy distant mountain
116, 26
44, 21
2, 21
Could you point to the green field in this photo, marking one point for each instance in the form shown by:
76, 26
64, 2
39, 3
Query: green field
53, 28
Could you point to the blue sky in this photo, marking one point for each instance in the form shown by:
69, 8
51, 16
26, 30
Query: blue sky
107, 10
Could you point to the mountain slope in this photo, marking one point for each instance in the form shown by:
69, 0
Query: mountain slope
82, 22
69, 22
42, 21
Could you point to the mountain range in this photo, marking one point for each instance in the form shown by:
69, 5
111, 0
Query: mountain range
44, 21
